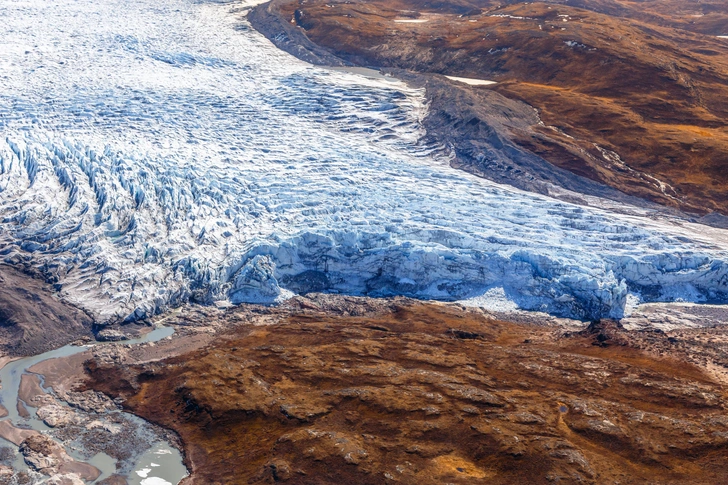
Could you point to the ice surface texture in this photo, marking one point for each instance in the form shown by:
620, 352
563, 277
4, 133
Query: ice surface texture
154, 153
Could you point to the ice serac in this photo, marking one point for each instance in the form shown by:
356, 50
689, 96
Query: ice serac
155, 154
256, 283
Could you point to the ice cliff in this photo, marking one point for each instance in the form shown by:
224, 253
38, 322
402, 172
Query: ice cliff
157, 153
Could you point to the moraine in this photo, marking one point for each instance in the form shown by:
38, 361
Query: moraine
155, 153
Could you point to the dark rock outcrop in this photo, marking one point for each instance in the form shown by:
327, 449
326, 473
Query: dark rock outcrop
32, 318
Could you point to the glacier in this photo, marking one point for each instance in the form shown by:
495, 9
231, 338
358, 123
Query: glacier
159, 153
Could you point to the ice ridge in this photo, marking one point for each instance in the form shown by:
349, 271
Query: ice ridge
156, 154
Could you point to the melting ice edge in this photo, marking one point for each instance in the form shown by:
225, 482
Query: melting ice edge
152, 155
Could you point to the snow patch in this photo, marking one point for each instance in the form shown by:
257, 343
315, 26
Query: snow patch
506, 16
573, 43
155, 481
144, 472
471, 81
495, 299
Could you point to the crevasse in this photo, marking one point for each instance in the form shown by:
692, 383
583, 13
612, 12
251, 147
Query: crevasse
155, 153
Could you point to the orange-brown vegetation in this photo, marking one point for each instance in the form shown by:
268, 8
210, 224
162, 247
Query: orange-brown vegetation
431, 394
631, 94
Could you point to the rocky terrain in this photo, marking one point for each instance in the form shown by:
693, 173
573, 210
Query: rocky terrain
28, 309
54, 431
627, 94
165, 164
330, 389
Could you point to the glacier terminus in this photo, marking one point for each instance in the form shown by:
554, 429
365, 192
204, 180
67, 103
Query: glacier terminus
159, 153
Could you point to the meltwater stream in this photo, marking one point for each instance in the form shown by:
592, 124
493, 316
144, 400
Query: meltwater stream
159, 152
160, 464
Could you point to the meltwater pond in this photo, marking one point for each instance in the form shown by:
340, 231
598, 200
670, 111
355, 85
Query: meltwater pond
153, 153
147, 460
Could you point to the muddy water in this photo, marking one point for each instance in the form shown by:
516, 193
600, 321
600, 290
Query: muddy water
161, 464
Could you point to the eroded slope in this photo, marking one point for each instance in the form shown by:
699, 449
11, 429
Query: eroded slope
34, 320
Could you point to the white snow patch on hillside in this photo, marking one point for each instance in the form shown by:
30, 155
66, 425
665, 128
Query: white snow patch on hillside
471, 81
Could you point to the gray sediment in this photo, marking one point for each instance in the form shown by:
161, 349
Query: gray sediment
101, 435
473, 124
